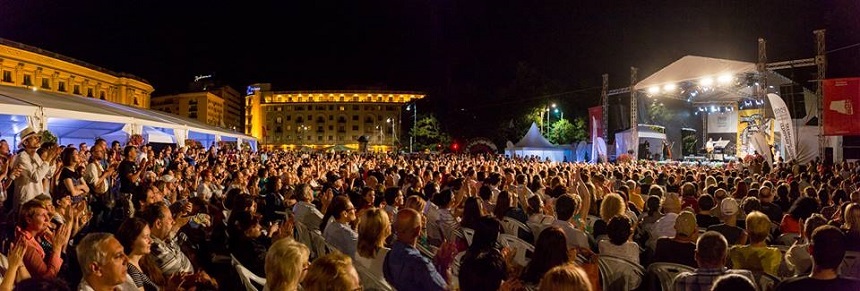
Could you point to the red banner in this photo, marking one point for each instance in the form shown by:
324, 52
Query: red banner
840, 98
595, 114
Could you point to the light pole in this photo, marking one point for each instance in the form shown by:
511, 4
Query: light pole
393, 133
414, 108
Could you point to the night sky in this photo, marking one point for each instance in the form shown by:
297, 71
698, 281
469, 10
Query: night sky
469, 55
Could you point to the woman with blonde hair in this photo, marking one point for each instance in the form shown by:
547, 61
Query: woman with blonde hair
851, 217
286, 263
612, 205
374, 227
332, 272
565, 277
757, 256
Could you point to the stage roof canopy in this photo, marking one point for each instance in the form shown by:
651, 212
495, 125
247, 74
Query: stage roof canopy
704, 79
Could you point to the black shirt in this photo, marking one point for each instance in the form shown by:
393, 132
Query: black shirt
807, 283
705, 221
61, 191
671, 251
731, 233
126, 168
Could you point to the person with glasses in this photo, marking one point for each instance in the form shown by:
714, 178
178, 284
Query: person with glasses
339, 232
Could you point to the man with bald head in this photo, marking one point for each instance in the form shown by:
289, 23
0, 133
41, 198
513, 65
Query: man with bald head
404, 267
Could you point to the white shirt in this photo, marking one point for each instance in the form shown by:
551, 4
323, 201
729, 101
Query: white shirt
91, 176
665, 226
575, 237
127, 285
629, 250
374, 265
307, 214
28, 185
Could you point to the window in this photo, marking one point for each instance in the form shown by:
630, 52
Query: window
61, 86
279, 108
319, 138
7, 76
279, 120
341, 129
28, 80
355, 118
90, 94
341, 108
355, 107
355, 127
331, 137
300, 108
331, 107
289, 117
331, 127
46, 84
320, 129
279, 129
331, 117
77, 90
135, 101
102, 95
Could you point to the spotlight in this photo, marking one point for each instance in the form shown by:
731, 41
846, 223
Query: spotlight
669, 87
707, 81
654, 90
713, 108
725, 79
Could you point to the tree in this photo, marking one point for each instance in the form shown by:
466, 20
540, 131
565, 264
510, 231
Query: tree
428, 133
565, 132
659, 114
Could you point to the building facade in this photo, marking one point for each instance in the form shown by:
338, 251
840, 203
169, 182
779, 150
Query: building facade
26, 66
203, 106
325, 119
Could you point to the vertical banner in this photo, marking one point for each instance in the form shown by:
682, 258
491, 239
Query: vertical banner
840, 98
596, 119
594, 135
786, 128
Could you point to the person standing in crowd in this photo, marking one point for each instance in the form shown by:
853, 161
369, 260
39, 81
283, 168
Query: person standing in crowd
129, 173
33, 169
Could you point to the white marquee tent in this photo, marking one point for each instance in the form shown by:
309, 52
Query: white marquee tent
76, 119
533, 144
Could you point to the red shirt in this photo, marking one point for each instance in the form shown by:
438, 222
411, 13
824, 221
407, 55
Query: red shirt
34, 258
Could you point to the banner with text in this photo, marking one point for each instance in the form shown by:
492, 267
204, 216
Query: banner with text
786, 128
840, 98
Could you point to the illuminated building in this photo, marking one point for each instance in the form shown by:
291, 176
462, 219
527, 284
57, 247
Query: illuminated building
26, 66
323, 119
206, 101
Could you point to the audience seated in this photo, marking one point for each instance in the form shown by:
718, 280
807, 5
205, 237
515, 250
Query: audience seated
373, 228
827, 247
797, 257
286, 265
711, 251
336, 225
565, 277
404, 266
619, 243
331, 272
680, 248
757, 256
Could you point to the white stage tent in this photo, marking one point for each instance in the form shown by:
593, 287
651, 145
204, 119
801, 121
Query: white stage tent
624, 140
533, 144
75, 119
688, 73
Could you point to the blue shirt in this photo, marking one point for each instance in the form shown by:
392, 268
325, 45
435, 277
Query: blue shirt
342, 237
406, 269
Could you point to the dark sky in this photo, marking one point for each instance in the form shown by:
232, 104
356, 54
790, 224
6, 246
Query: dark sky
464, 53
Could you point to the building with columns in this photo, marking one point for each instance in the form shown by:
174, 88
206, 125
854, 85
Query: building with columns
27, 66
325, 119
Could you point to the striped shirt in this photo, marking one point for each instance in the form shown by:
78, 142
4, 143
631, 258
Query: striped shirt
169, 257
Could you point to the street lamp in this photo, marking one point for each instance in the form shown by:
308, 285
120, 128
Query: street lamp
393, 133
414, 108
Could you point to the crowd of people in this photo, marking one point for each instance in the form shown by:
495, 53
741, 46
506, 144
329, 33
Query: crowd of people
157, 217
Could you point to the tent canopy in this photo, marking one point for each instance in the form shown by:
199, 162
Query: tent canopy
75, 117
534, 139
692, 69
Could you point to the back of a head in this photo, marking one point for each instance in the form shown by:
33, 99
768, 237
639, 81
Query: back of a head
711, 249
550, 251
565, 277
733, 282
331, 272
407, 224
758, 226
487, 231
828, 247
482, 271
284, 264
618, 229
565, 207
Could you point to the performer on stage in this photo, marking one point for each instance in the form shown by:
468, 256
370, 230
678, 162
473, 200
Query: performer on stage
709, 148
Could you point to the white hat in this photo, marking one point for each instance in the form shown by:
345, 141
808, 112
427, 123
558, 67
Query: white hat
729, 206
27, 133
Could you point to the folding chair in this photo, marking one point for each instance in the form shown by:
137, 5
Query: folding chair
850, 266
513, 226
248, 278
369, 281
524, 250
766, 282
618, 274
665, 273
